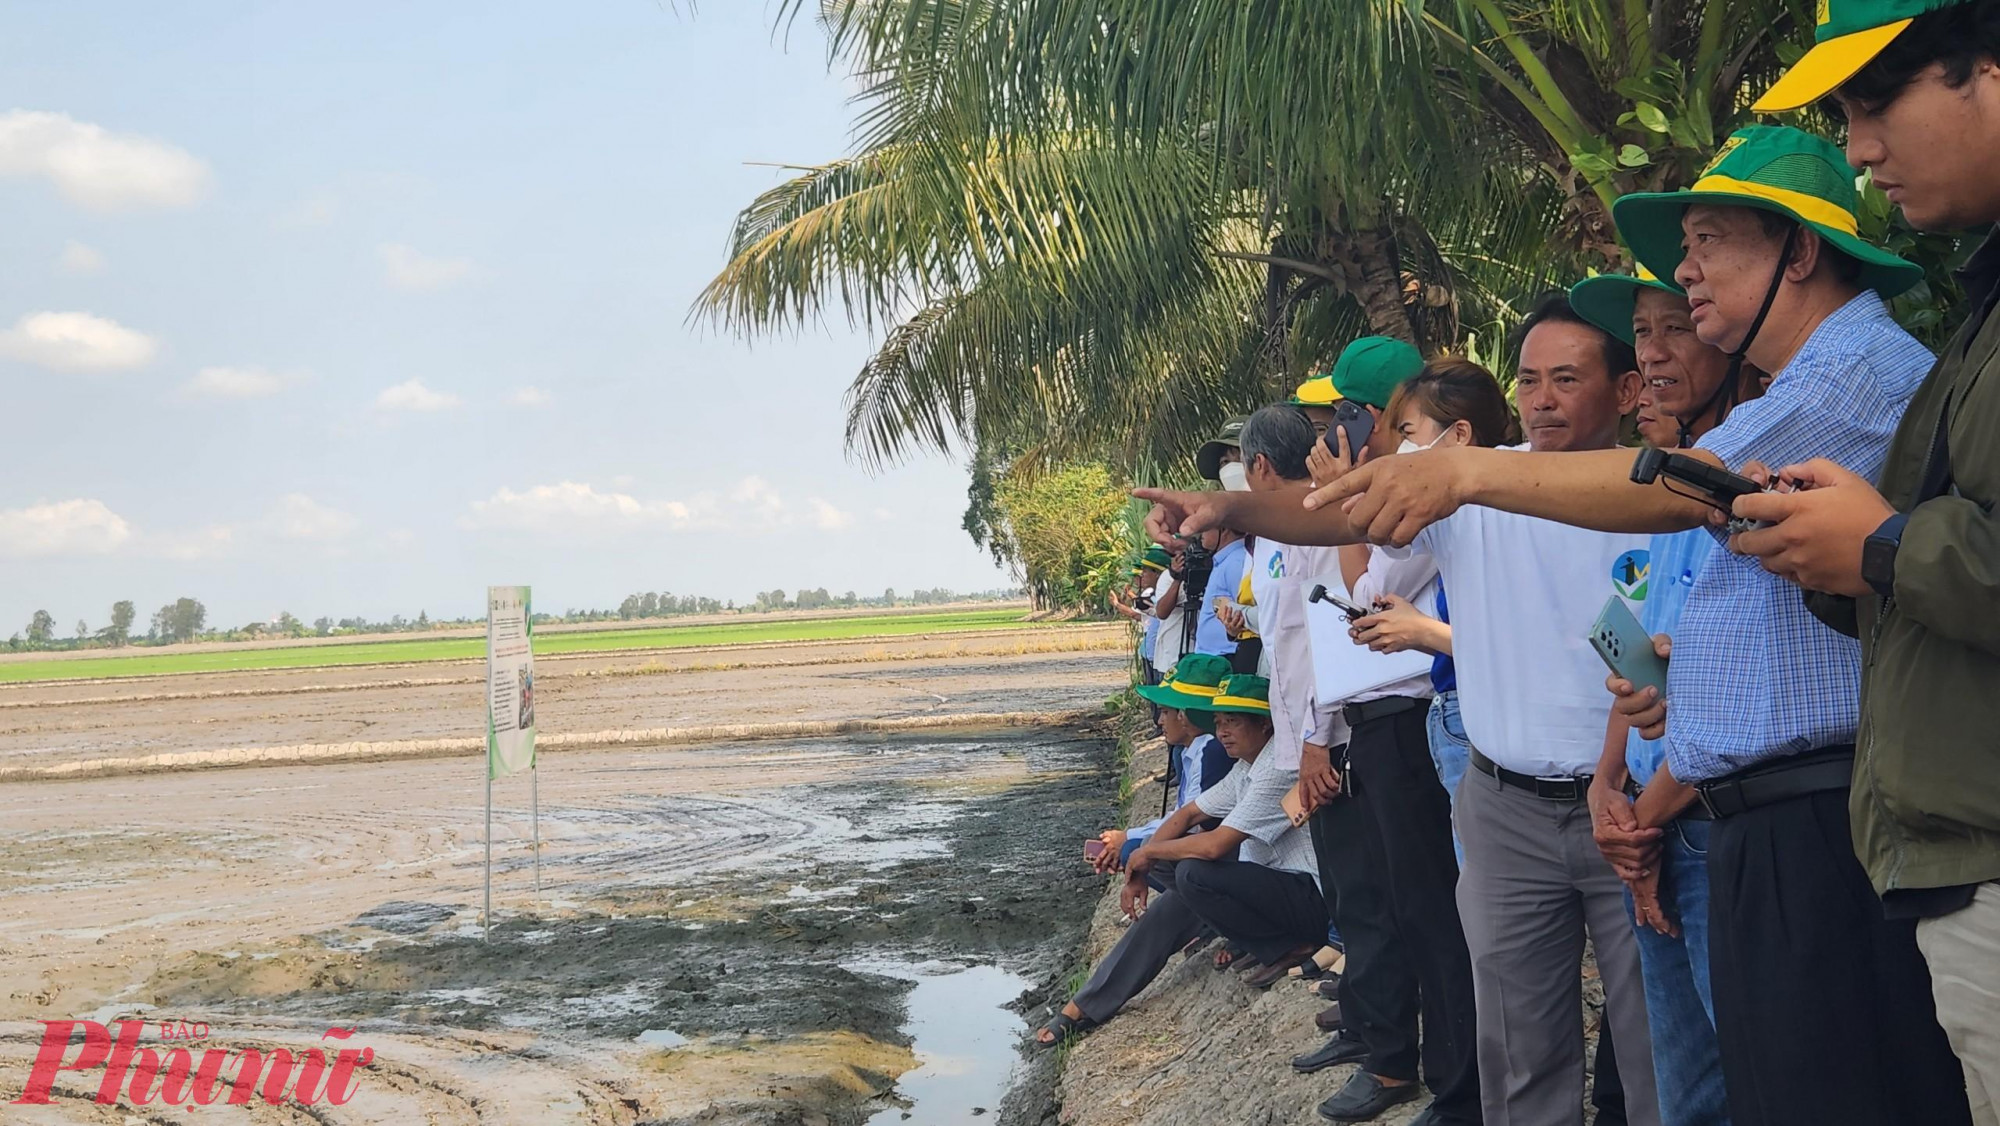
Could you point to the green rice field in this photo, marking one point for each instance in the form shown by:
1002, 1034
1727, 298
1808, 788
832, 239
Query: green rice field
155, 662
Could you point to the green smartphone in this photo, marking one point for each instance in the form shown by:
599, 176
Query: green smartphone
1626, 646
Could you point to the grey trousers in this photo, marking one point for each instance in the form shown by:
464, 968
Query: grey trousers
1532, 885
1963, 949
1167, 924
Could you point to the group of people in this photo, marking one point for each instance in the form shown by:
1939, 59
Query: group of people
1782, 845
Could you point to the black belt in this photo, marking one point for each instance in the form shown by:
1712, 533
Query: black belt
1358, 714
1694, 812
1570, 790
1829, 768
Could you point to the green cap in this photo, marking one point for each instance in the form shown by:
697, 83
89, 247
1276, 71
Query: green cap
1772, 168
1208, 458
1241, 693
1847, 35
1606, 300
1155, 557
1191, 684
1370, 369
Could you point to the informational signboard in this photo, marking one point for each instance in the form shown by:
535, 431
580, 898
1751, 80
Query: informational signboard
510, 681
1341, 668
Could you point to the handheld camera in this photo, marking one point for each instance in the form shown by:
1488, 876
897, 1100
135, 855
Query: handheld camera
1349, 609
1716, 486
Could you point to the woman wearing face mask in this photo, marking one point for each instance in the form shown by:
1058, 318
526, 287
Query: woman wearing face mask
1452, 402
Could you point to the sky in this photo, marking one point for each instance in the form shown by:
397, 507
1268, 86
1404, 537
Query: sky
355, 309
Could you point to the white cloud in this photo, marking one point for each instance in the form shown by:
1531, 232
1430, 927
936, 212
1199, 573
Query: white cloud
235, 383
96, 168
751, 505
827, 518
76, 342
196, 543
69, 527
300, 517
406, 268
316, 210
569, 505
530, 397
77, 258
414, 396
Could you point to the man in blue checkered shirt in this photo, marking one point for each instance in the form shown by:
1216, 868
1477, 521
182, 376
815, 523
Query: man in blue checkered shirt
1823, 1006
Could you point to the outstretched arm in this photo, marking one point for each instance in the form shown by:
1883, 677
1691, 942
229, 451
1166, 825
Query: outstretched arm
1278, 514
1393, 498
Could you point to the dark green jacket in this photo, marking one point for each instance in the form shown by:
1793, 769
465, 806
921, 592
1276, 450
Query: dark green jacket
1925, 808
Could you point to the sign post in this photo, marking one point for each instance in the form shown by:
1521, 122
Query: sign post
510, 712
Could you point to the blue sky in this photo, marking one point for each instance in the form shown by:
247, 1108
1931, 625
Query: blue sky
358, 308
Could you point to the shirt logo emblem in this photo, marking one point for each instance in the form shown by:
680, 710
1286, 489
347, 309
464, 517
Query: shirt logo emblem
1277, 565
1629, 572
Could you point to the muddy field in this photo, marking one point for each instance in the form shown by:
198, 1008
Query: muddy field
835, 930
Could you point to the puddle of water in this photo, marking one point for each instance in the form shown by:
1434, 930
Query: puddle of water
661, 1038
965, 1040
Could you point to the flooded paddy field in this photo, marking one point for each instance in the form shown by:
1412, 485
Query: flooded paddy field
843, 930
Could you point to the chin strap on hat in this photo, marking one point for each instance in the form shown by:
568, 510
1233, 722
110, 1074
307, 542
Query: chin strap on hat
1724, 397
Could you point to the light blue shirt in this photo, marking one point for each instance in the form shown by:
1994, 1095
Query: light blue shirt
1224, 578
1189, 789
1754, 676
1675, 561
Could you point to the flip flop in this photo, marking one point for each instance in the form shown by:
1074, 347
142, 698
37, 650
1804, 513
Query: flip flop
1233, 957
1199, 943
1064, 1027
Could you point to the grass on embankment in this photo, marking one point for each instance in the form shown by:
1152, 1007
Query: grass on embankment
155, 662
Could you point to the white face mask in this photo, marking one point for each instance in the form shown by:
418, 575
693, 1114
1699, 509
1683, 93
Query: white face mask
1234, 477
1410, 447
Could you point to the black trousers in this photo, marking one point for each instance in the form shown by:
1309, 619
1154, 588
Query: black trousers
1267, 912
1378, 991
1394, 779
1823, 1007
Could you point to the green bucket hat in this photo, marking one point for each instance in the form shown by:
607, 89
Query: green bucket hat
1242, 694
1208, 458
1606, 300
1847, 35
1772, 168
1370, 369
1191, 684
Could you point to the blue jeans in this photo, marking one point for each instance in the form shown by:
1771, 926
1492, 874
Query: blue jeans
1450, 753
1680, 1009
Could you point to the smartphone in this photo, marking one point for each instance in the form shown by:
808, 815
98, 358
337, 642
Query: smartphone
1626, 646
1354, 419
1294, 805
1350, 609
1093, 848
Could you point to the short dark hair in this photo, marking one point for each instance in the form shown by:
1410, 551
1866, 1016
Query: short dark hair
1284, 435
1956, 37
1554, 308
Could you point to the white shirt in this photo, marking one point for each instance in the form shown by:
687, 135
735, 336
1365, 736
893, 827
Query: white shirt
1251, 800
1524, 592
1413, 576
1281, 575
1167, 643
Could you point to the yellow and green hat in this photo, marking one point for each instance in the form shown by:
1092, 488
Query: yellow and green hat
1606, 300
1155, 558
1369, 369
1315, 392
1243, 694
1191, 684
1773, 168
1847, 35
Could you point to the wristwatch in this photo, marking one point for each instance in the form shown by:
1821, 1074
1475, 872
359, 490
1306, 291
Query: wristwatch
1878, 555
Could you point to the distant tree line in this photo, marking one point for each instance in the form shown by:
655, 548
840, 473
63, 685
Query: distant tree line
186, 619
